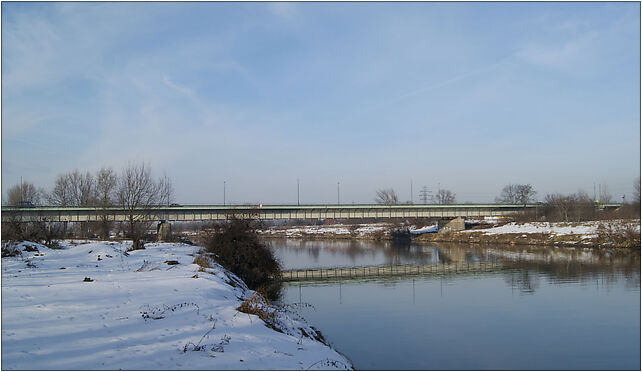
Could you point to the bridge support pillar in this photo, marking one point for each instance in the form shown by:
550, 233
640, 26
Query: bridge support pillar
457, 224
164, 231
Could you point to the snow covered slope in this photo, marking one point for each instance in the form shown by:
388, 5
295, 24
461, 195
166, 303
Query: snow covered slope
91, 306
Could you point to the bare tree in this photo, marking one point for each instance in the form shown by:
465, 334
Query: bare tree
83, 188
61, 194
24, 192
387, 197
636, 187
525, 194
74, 189
576, 207
508, 195
140, 196
582, 207
444, 196
106, 182
516, 194
558, 204
166, 190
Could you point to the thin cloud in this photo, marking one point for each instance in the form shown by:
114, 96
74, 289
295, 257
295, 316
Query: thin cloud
284, 10
568, 55
180, 88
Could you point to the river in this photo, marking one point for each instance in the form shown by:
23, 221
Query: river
550, 308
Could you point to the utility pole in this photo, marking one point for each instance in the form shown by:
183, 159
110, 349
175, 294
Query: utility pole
223, 192
338, 200
411, 191
423, 193
298, 201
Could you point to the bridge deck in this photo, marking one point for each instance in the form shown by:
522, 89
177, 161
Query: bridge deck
388, 271
266, 212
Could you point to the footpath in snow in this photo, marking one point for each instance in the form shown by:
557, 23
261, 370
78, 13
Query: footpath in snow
92, 306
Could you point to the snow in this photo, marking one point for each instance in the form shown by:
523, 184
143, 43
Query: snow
585, 229
425, 229
541, 227
488, 219
137, 311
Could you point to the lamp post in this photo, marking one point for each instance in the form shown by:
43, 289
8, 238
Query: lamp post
338, 199
223, 193
298, 200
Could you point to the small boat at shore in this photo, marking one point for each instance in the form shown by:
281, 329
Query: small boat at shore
426, 229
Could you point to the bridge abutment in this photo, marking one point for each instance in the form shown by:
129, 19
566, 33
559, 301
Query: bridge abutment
164, 231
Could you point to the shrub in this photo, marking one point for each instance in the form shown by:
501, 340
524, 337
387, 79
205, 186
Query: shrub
258, 305
378, 235
238, 249
10, 249
617, 234
202, 261
38, 231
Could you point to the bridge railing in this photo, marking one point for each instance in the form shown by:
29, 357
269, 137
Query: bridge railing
220, 212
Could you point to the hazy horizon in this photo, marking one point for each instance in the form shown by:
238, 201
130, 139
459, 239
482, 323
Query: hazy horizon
463, 96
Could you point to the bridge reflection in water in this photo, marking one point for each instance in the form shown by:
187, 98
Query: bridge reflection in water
366, 272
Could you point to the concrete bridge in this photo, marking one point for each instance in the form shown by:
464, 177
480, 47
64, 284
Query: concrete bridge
264, 212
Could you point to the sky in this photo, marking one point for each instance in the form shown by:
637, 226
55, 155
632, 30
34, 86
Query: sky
461, 96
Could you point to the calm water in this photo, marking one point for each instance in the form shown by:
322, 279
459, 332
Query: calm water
553, 309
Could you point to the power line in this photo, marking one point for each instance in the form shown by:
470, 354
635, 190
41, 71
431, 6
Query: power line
424, 193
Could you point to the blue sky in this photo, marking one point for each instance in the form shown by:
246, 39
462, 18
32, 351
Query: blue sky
468, 96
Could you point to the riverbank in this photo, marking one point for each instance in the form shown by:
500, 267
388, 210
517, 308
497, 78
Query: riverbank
590, 234
599, 234
92, 305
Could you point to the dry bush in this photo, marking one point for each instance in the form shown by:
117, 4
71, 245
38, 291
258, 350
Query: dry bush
39, 232
202, 261
628, 211
379, 235
617, 234
258, 305
353, 230
529, 215
9, 249
237, 248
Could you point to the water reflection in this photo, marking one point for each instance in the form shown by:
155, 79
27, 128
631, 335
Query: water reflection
527, 265
552, 308
301, 254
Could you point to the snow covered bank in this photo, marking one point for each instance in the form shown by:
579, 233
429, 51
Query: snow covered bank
586, 229
92, 306
606, 234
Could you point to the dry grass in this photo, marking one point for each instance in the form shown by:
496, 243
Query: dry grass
617, 234
202, 261
258, 305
